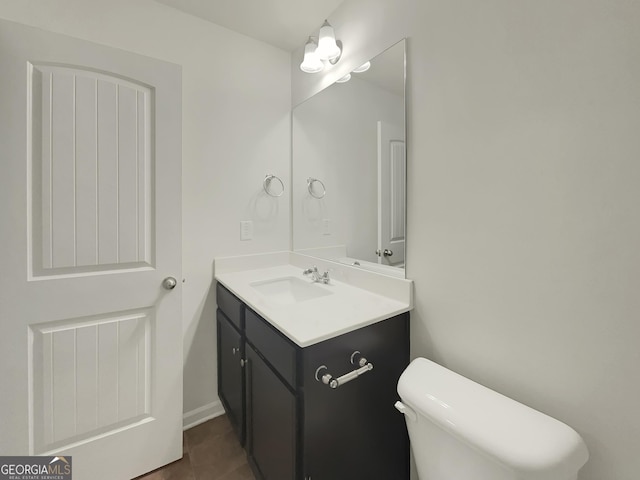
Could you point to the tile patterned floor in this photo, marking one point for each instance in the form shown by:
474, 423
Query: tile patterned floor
211, 452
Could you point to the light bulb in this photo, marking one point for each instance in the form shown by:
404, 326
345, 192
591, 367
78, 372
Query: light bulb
328, 49
344, 79
311, 63
363, 68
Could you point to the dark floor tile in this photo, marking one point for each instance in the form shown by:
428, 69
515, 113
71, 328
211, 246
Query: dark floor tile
223, 448
211, 451
207, 430
155, 475
180, 470
241, 473
223, 472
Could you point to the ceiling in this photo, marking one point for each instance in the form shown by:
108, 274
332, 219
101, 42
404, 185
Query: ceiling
285, 24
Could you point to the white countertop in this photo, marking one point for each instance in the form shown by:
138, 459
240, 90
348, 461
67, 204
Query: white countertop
307, 322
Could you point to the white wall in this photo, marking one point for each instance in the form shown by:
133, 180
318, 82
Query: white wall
335, 139
523, 193
236, 129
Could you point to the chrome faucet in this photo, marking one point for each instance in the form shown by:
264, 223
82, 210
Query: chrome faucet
315, 275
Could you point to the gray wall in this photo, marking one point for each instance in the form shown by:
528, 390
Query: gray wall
524, 187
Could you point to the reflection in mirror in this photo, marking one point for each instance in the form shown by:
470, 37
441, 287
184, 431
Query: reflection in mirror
350, 139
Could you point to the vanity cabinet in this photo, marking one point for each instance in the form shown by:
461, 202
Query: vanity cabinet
230, 348
299, 428
230, 359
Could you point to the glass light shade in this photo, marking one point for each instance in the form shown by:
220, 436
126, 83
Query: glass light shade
311, 63
344, 79
363, 68
328, 49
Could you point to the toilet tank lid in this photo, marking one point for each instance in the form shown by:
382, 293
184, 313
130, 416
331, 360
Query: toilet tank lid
515, 435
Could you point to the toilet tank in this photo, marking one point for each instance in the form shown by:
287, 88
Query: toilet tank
462, 430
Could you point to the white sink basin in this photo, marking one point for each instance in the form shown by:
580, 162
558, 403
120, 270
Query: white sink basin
289, 290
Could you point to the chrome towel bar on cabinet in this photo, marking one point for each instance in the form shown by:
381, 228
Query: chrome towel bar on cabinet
331, 382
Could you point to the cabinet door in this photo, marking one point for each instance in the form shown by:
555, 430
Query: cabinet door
230, 373
353, 432
271, 421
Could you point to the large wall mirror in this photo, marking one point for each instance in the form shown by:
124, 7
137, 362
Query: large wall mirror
349, 168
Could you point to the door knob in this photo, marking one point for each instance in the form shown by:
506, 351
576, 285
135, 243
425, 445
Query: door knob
387, 252
169, 283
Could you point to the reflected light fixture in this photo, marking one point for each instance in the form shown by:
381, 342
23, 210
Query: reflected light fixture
328, 48
311, 62
363, 68
344, 79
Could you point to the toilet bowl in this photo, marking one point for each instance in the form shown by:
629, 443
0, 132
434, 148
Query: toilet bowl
460, 430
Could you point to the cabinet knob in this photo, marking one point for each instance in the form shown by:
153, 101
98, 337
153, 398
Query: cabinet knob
235, 350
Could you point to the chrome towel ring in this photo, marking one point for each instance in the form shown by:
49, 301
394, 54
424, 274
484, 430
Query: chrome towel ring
312, 191
269, 189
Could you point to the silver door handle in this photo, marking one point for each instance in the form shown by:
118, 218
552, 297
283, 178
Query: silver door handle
387, 252
169, 283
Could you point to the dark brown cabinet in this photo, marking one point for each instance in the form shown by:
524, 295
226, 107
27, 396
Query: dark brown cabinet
298, 428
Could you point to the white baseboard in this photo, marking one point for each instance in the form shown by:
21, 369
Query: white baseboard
202, 414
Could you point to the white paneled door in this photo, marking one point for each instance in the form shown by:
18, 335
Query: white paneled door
392, 174
90, 216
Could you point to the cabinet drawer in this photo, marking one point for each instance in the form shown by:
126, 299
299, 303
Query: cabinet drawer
230, 305
276, 349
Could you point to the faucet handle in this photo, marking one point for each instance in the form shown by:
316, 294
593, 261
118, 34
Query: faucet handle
325, 277
311, 270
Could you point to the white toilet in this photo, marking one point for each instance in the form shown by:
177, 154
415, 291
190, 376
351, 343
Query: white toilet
460, 430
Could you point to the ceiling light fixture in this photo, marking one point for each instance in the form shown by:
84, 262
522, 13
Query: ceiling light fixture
328, 49
325, 53
344, 79
311, 63
363, 68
